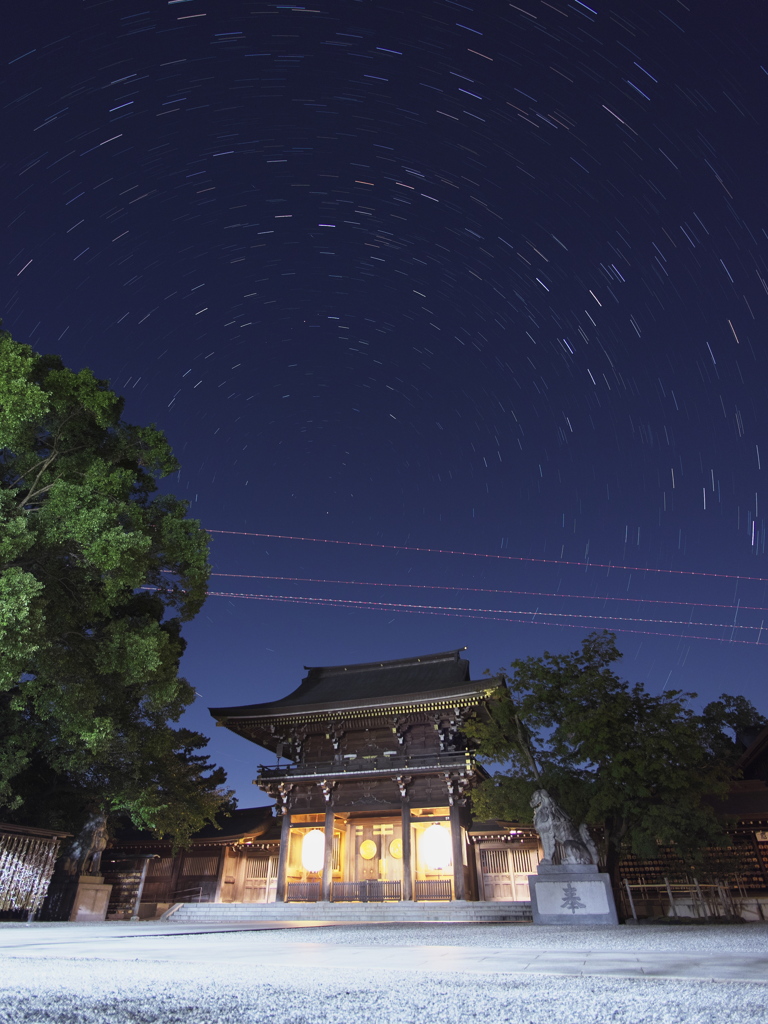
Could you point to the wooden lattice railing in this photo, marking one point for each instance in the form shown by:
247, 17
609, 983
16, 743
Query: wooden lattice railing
302, 892
371, 890
432, 889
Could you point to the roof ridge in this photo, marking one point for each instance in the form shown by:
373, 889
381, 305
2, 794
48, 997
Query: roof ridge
452, 655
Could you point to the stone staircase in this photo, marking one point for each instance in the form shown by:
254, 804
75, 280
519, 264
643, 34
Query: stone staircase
373, 913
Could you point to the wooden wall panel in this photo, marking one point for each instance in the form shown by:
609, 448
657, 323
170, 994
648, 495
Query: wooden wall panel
422, 738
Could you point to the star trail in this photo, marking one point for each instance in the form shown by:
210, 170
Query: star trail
474, 294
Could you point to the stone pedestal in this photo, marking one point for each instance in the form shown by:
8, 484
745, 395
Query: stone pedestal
91, 899
571, 894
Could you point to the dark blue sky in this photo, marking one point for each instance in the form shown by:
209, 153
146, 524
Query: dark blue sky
484, 278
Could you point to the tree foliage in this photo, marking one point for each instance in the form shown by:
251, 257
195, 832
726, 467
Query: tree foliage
640, 768
97, 573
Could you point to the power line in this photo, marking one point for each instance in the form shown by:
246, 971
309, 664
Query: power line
538, 617
489, 590
500, 615
478, 554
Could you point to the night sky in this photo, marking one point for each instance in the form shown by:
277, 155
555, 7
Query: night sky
477, 293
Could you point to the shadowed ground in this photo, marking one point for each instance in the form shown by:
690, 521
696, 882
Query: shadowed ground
144, 973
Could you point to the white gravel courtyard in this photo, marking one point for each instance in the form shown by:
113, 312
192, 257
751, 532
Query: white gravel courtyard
388, 974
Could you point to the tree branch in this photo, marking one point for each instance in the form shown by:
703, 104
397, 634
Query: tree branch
31, 492
525, 745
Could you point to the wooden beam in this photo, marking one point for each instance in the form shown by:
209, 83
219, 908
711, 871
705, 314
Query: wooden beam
407, 890
481, 894
220, 874
459, 892
282, 863
327, 878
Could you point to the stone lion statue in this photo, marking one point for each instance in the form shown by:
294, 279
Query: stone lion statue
84, 856
554, 826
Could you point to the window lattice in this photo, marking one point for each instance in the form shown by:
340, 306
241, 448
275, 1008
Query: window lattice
336, 867
494, 862
522, 861
257, 867
201, 866
160, 868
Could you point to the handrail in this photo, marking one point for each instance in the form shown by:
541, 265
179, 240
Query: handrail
177, 893
363, 763
171, 911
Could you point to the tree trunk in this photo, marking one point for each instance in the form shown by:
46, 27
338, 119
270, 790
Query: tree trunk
612, 846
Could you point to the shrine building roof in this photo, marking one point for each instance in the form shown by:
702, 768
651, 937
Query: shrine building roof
429, 678
754, 761
240, 824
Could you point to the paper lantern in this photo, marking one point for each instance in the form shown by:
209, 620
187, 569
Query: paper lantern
435, 845
313, 850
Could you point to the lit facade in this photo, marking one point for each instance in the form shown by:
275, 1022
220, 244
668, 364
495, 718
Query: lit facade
372, 784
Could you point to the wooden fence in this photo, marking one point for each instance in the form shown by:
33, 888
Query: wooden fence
371, 890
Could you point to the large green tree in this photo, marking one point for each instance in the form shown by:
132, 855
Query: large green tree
98, 570
641, 769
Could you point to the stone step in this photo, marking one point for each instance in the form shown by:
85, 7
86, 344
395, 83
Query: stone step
457, 910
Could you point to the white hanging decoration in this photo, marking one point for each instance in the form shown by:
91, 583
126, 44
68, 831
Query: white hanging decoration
313, 850
436, 847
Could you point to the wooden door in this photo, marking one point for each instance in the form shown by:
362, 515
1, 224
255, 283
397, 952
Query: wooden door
522, 862
197, 881
272, 880
368, 850
256, 877
494, 867
158, 885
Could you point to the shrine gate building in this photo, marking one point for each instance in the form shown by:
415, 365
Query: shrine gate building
372, 784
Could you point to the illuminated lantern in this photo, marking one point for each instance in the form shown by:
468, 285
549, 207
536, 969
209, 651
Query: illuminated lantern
435, 847
313, 850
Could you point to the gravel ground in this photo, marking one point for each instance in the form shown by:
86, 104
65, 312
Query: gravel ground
742, 938
58, 990
95, 992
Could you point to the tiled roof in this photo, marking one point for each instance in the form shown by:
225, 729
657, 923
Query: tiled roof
430, 676
754, 761
245, 821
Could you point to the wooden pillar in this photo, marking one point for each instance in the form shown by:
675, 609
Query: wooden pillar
458, 854
282, 862
173, 883
223, 851
407, 890
140, 893
481, 894
327, 878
